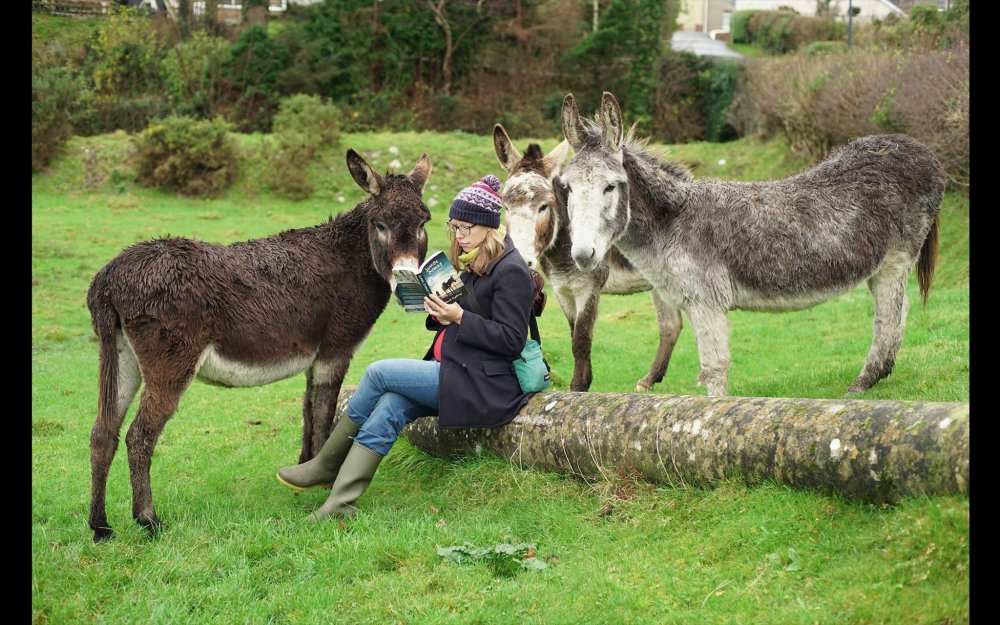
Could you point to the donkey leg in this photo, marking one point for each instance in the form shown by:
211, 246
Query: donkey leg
327, 377
104, 439
583, 338
888, 288
305, 452
668, 319
711, 330
157, 404
567, 302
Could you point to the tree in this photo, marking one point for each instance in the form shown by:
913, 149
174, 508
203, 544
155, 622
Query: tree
452, 41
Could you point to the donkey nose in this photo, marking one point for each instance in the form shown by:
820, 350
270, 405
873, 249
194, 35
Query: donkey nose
584, 257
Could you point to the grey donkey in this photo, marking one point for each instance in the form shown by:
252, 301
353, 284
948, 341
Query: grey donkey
867, 213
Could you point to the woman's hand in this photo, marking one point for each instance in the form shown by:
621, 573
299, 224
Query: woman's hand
445, 313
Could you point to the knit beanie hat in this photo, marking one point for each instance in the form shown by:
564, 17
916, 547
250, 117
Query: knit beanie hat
479, 203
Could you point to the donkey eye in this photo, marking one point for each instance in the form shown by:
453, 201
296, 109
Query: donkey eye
543, 208
381, 227
609, 188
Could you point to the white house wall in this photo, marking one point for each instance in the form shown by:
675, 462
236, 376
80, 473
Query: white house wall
869, 8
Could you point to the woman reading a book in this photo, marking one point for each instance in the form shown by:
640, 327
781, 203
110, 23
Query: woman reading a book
465, 378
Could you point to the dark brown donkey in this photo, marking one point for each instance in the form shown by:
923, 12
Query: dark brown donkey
171, 310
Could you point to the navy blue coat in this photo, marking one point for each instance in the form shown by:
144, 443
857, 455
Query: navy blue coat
478, 385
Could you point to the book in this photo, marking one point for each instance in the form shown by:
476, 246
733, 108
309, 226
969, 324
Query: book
436, 275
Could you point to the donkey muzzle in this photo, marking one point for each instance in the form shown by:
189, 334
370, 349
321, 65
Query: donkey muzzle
585, 257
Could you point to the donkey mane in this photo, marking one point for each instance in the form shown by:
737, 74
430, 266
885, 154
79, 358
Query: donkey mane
637, 147
531, 161
665, 191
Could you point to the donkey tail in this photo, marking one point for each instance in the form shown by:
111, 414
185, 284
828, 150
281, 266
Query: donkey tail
927, 261
104, 318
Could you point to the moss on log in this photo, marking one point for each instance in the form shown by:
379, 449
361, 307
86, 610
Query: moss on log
872, 451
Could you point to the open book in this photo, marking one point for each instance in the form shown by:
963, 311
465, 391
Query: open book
435, 276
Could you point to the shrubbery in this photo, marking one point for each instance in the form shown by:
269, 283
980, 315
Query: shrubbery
303, 125
927, 28
783, 31
186, 155
622, 56
192, 74
124, 57
718, 83
250, 75
318, 121
823, 101
57, 96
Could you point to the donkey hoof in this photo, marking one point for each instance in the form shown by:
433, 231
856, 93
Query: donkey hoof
153, 524
642, 385
102, 534
858, 387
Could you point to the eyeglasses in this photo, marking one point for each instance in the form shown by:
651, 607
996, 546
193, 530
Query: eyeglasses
465, 230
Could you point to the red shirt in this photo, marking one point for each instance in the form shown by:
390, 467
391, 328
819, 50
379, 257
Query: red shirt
437, 344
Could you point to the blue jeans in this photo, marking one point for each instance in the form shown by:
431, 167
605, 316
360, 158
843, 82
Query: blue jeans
392, 393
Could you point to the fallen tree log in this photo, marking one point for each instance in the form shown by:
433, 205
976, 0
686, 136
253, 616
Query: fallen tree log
872, 451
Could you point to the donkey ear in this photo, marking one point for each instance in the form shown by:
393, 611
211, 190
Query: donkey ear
362, 173
611, 123
506, 152
421, 172
572, 129
554, 159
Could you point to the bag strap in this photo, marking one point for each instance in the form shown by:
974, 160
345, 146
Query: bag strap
474, 303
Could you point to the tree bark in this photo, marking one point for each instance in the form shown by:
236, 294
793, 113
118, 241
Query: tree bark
871, 451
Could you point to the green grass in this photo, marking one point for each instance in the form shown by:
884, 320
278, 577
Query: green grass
235, 548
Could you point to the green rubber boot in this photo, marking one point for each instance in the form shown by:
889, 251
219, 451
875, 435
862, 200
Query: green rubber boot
355, 475
322, 470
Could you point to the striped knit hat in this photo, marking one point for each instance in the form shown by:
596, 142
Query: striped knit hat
479, 203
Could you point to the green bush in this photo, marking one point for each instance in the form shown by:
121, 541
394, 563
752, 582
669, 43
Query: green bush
740, 26
189, 156
288, 157
927, 28
622, 56
718, 83
131, 113
387, 108
679, 116
250, 76
57, 96
772, 30
317, 121
191, 71
782, 31
303, 124
124, 56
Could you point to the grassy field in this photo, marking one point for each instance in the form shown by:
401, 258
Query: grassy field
235, 549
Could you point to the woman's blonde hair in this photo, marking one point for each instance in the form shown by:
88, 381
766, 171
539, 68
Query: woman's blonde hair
489, 250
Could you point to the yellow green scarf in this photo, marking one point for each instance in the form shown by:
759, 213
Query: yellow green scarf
466, 257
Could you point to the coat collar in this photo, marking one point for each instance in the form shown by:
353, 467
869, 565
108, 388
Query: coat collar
508, 247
